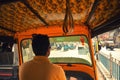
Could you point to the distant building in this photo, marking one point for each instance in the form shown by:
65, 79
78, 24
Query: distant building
116, 37
113, 35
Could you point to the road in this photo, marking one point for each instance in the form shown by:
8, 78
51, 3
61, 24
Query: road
113, 67
115, 53
100, 76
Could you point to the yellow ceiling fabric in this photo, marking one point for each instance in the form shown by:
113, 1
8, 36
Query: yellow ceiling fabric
22, 15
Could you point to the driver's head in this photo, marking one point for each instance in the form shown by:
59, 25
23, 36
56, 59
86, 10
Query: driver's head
40, 44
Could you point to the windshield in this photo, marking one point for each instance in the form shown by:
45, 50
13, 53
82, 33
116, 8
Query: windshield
65, 49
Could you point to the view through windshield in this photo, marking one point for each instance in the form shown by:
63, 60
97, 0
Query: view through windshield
64, 49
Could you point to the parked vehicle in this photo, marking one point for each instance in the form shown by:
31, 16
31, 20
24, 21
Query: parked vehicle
109, 44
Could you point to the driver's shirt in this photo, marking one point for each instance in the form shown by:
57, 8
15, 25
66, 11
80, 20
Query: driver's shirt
40, 68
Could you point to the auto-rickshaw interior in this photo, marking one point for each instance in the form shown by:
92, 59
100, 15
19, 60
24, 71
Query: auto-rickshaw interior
70, 24
65, 50
72, 51
71, 75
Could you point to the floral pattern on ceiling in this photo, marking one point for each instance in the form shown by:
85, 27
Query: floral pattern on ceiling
18, 16
105, 10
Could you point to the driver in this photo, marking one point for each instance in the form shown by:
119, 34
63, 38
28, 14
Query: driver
40, 68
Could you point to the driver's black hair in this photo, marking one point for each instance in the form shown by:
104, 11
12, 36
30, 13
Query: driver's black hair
40, 44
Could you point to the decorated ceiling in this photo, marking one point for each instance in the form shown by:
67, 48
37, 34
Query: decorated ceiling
21, 15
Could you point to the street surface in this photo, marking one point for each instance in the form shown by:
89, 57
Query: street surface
100, 77
70, 53
115, 53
